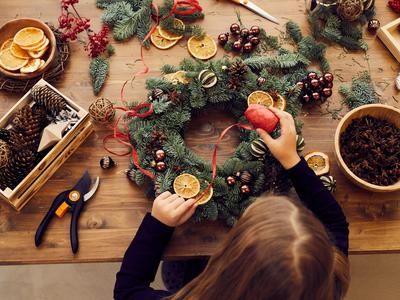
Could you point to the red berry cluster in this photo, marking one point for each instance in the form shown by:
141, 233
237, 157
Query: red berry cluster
244, 39
98, 42
394, 5
71, 24
314, 88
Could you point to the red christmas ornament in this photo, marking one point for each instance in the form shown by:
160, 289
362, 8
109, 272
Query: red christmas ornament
254, 40
159, 155
161, 166
248, 47
235, 28
237, 45
261, 117
245, 189
255, 30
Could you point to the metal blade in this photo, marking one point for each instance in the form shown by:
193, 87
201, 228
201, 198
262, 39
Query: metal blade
83, 184
258, 10
93, 190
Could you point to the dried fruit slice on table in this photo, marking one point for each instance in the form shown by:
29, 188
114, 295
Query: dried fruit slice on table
160, 42
170, 35
260, 97
28, 36
10, 62
203, 48
186, 186
318, 162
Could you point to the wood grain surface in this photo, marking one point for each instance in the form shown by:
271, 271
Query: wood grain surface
110, 220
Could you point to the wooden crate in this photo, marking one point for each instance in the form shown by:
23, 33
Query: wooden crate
60, 152
390, 36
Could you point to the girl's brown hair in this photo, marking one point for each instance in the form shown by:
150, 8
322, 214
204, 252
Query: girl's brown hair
277, 250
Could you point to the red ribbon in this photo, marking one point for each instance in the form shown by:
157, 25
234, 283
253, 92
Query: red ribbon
214, 156
124, 138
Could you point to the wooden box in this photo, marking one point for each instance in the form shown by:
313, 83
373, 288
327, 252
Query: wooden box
60, 152
390, 36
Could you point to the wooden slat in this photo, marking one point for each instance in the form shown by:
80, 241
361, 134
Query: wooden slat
111, 219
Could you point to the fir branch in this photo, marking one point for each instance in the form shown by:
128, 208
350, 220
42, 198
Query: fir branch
98, 70
116, 12
361, 92
294, 31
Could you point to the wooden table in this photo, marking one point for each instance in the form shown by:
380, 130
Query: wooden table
110, 220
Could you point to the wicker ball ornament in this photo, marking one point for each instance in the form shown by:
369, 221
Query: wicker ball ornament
102, 110
4, 153
350, 10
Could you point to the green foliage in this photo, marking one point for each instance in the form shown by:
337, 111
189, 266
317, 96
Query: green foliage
361, 92
128, 18
98, 70
326, 24
282, 71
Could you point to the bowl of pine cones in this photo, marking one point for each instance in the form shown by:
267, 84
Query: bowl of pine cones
27, 48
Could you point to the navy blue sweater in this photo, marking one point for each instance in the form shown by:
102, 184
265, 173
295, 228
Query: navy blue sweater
143, 256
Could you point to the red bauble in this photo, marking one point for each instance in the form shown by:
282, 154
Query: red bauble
245, 189
312, 75
254, 41
306, 98
328, 85
314, 83
237, 45
248, 47
244, 33
328, 77
327, 92
261, 117
255, 30
161, 166
230, 180
316, 96
235, 28
159, 155
223, 38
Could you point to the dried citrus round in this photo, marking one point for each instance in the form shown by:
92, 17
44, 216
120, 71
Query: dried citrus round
260, 97
37, 54
43, 44
318, 162
28, 36
6, 44
31, 66
176, 77
10, 62
279, 102
203, 199
170, 35
203, 48
18, 52
186, 186
161, 42
42, 62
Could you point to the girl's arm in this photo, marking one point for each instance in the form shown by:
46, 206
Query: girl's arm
320, 201
143, 256
308, 186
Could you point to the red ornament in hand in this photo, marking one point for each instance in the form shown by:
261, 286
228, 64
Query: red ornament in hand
261, 117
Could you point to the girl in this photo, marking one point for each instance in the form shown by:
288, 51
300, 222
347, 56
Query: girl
280, 249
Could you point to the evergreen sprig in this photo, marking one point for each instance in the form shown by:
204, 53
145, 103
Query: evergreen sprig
98, 70
361, 92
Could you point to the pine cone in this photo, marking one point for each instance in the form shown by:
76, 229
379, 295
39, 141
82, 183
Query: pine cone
8, 178
238, 69
19, 141
234, 83
50, 100
26, 121
5, 135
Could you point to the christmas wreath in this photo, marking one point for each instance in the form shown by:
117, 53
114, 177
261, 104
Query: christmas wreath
183, 91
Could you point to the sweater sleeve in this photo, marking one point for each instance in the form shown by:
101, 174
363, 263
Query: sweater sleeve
141, 261
320, 201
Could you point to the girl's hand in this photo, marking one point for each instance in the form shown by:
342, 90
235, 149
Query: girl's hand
172, 210
284, 147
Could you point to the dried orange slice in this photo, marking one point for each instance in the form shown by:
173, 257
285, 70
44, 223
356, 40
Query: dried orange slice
260, 97
186, 185
37, 54
178, 24
42, 62
6, 44
203, 48
176, 77
318, 162
161, 42
203, 199
28, 36
10, 62
18, 52
279, 101
31, 66
43, 44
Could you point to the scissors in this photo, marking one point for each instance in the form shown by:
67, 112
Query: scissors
258, 10
73, 201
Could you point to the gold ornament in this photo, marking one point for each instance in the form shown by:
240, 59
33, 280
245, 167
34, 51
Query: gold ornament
102, 110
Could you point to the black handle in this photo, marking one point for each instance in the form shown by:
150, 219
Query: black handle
77, 209
47, 218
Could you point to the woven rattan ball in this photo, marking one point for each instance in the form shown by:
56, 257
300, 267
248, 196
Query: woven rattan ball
350, 10
102, 110
4, 153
